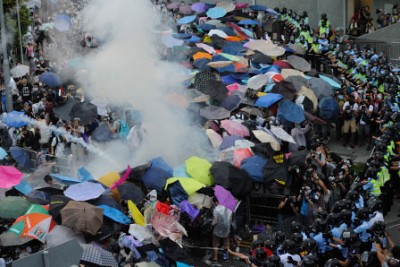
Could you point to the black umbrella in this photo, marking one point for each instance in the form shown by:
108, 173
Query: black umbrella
85, 111
286, 89
51, 190
130, 191
214, 113
218, 41
305, 102
175, 252
297, 81
62, 112
260, 58
298, 158
321, 88
57, 202
232, 178
201, 78
275, 172
177, 193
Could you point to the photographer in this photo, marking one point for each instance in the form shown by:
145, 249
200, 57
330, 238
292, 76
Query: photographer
364, 123
350, 112
287, 209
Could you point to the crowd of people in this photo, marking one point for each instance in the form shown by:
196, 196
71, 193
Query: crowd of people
330, 213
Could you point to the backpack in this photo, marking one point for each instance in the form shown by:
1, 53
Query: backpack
123, 129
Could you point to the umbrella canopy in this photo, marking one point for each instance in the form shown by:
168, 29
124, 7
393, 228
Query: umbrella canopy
235, 180
9, 176
206, 47
62, 23
84, 191
229, 141
253, 111
185, 9
330, 81
61, 234
248, 22
297, 49
11, 239
286, 89
189, 209
214, 113
186, 20
214, 137
103, 133
299, 82
173, 5
235, 128
32, 225
19, 71
216, 12
225, 198
282, 134
310, 95
268, 100
231, 103
257, 81
286, 73
115, 214
328, 108
21, 156
199, 169
254, 166
275, 172
260, 58
321, 88
97, 256
12, 207
190, 185
57, 203
177, 193
15, 119
299, 63
82, 217
129, 191
63, 111
258, 8
265, 137
229, 7
199, 7
51, 79
283, 64
291, 111
155, 178
85, 111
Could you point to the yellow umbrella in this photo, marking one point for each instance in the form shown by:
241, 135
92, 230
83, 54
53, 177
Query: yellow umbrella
199, 169
137, 216
190, 185
108, 180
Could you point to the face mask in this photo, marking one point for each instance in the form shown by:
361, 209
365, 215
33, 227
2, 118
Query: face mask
341, 97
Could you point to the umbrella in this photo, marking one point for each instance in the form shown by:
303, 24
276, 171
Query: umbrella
61, 234
155, 178
62, 112
225, 198
32, 225
231, 103
9, 176
185, 9
169, 41
50, 79
332, 82
268, 100
12, 207
186, 20
214, 137
229, 141
177, 193
291, 111
311, 96
84, 191
297, 49
97, 256
205, 27
137, 216
205, 47
173, 5
85, 111
314, 119
82, 217
328, 108
21, 156
283, 64
232, 178
299, 82
282, 134
321, 88
217, 32
216, 12
188, 208
253, 111
11, 239
229, 7
257, 81
23, 187
65, 179
214, 113
15, 119
102, 133
202, 63
3, 153
254, 166
19, 71
286, 89
129, 191
190, 185
286, 73
109, 180
299, 63
57, 203
38, 197
237, 154
235, 128
248, 22
115, 214
62, 23
199, 7
265, 137
275, 172
260, 58
258, 8
199, 169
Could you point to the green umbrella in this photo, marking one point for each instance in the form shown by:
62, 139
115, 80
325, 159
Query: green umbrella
36, 208
13, 207
199, 169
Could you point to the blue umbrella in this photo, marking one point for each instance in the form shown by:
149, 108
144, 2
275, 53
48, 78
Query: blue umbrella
268, 88
254, 166
24, 187
193, 39
232, 102
229, 141
177, 193
115, 214
258, 8
21, 156
62, 23
248, 22
182, 36
84, 174
15, 119
180, 171
206, 27
291, 111
332, 82
3, 153
84, 191
268, 100
64, 179
160, 163
186, 20
233, 48
50, 79
228, 30
201, 63
228, 79
216, 12
155, 178
328, 108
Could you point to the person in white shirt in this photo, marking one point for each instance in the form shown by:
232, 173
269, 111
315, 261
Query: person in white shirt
364, 125
350, 112
289, 258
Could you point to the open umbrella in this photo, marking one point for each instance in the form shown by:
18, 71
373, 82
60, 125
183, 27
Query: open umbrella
84, 191
21, 156
257, 81
155, 178
254, 166
291, 111
8, 239
9, 176
115, 214
299, 82
216, 12
190, 185
85, 111
186, 20
173, 5
260, 58
51, 79
32, 225
231, 103
97, 256
328, 108
214, 113
177, 193
265, 137
129, 191
330, 81
235, 128
62, 23
253, 111
225, 198
12, 207
282, 134
199, 169
299, 63
321, 88
15, 119
61, 234
19, 71
268, 100
214, 137
248, 22
57, 203
103, 133
199, 7
63, 111
258, 8
229, 141
82, 217
286, 89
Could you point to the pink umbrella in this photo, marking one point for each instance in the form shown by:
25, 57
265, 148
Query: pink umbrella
9, 176
233, 87
185, 9
174, 5
241, 5
225, 198
235, 128
239, 155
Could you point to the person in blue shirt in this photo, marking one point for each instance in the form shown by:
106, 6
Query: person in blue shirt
362, 228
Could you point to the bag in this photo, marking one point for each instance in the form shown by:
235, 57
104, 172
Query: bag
347, 116
365, 118
123, 129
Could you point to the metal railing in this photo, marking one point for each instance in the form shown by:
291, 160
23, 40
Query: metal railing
392, 50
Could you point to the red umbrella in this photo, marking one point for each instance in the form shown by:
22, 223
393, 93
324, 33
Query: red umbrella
235, 128
241, 5
283, 64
